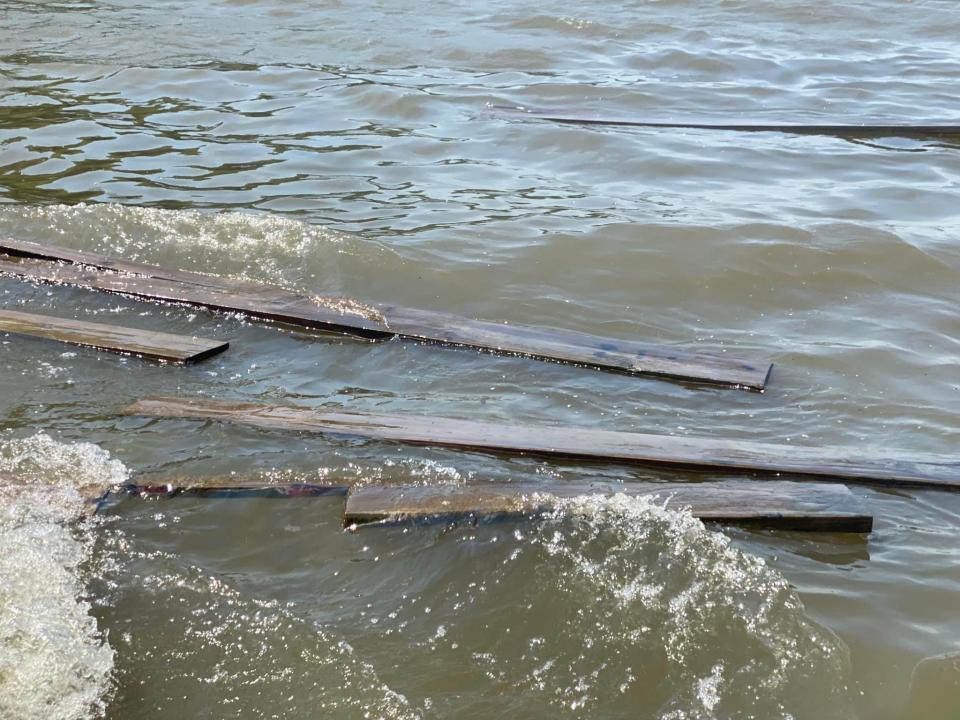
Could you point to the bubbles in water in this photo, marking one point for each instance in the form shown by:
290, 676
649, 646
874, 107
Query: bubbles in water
416, 471
607, 608
730, 631
195, 646
255, 246
53, 661
72, 468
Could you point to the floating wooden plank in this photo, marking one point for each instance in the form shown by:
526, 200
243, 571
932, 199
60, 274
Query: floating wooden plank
142, 343
779, 505
32, 261
231, 489
863, 465
841, 130
270, 304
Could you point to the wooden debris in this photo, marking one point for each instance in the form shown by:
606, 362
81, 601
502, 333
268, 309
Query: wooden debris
840, 130
776, 504
227, 488
33, 261
142, 343
861, 465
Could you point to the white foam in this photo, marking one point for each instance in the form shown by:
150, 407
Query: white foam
54, 663
256, 246
731, 628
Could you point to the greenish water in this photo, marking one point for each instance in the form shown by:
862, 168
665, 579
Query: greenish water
345, 148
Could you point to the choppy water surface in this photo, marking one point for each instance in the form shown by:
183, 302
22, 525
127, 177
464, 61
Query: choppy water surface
345, 148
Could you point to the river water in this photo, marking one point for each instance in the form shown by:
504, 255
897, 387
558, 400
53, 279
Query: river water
346, 148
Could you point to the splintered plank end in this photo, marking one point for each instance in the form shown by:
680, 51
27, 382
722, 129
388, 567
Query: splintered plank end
774, 505
142, 343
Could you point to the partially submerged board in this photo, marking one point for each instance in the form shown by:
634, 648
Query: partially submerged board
841, 130
862, 464
44, 263
226, 488
142, 343
778, 505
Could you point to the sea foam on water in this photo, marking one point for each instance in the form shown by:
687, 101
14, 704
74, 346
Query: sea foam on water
54, 662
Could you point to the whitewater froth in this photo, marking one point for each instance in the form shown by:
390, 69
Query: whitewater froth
54, 661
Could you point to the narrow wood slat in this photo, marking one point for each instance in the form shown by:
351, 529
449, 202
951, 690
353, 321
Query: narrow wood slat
576, 348
842, 130
774, 504
88, 270
232, 489
142, 343
864, 465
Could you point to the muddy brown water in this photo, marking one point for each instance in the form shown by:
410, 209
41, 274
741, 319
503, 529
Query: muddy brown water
344, 149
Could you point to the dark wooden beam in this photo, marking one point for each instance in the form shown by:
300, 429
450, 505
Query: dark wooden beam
853, 130
45, 263
130, 341
775, 504
861, 464
230, 488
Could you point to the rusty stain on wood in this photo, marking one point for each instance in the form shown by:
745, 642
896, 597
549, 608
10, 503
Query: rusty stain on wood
44, 263
142, 343
860, 465
776, 504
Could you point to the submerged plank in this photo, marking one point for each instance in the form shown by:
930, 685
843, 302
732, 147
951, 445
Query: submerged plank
776, 504
32, 261
142, 343
267, 304
840, 130
864, 465
227, 488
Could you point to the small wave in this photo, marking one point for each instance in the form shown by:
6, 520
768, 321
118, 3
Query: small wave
618, 608
731, 631
209, 650
246, 245
54, 663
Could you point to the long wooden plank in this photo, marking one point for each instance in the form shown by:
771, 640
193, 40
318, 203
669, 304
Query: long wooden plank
32, 261
775, 504
231, 488
841, 130
864, 465
142, 343
270, 304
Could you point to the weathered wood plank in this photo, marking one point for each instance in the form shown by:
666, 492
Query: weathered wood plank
142, 343
576, 348
775, 504
269, 304
840, 130
863, 465
231, 488
32, 261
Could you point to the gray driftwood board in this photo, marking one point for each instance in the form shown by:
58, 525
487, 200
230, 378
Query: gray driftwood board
780, 505
861, 464
142, 343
